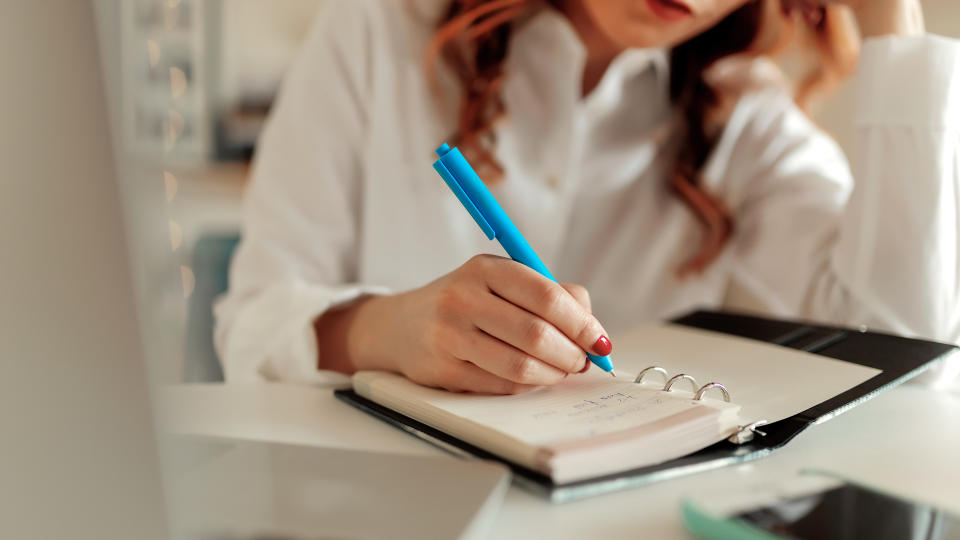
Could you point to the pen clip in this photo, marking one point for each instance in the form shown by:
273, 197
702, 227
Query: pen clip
457, 189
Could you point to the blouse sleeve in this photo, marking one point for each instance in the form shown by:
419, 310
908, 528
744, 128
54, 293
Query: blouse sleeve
883, 252
298, 255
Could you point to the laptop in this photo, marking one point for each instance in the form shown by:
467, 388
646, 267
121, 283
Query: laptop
246, 490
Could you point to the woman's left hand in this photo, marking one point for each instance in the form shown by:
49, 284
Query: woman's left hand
874, 17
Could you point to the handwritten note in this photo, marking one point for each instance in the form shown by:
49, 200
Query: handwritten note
579, 408
593, 424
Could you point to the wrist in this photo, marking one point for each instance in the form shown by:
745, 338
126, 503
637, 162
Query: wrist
366, 335
344, 333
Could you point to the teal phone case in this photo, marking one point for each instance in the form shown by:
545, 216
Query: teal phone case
712, 527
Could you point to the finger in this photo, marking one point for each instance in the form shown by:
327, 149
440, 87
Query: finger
804, 7
466, 377
529, 290
580, 294
583, 298
528, 334
814, 17
508, 362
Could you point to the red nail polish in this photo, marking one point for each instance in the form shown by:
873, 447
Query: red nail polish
602, 347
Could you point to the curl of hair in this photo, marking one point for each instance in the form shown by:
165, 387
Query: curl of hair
473, 39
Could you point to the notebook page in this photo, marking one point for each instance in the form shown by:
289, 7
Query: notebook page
579, 408
769, 382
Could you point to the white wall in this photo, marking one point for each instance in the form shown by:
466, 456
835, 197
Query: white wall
258, 41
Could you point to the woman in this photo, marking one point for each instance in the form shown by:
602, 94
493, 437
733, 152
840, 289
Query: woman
658, 181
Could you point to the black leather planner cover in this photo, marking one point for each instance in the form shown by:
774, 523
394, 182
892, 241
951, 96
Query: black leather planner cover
899, 359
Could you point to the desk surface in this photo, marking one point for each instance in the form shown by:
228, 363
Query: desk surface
905, 441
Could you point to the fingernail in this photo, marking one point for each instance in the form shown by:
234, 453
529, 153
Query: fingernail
602, 347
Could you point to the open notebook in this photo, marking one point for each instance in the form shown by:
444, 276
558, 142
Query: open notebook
593, 425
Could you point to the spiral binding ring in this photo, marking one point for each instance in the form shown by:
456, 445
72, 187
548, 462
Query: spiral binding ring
744, 434
682, 377
703, 390
656, 369
698, 392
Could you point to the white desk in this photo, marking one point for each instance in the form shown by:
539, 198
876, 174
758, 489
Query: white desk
906, 441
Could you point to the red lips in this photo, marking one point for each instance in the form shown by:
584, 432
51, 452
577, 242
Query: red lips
670, 10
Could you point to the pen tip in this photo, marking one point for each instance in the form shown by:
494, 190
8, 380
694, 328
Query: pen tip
613, 374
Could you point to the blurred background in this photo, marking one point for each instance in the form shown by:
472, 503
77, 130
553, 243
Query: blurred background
190, 83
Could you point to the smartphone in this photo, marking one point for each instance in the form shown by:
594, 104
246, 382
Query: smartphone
816, 507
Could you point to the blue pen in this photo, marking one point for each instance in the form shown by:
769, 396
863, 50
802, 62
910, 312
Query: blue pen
487, 212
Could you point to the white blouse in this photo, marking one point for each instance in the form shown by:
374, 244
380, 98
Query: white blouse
343, 198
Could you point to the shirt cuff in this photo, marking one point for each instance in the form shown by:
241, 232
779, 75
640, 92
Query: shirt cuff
909, 81
273, 338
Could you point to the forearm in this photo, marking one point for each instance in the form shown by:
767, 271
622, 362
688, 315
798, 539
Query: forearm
898, 244
889, 17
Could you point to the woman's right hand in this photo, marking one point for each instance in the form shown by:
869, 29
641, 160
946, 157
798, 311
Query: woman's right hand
874, 17
491, 326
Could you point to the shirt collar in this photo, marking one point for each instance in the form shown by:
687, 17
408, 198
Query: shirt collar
551, 36
543, 86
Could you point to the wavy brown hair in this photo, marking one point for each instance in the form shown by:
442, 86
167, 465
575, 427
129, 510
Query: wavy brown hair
473, 38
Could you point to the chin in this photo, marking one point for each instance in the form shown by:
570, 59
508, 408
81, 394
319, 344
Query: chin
645, 37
